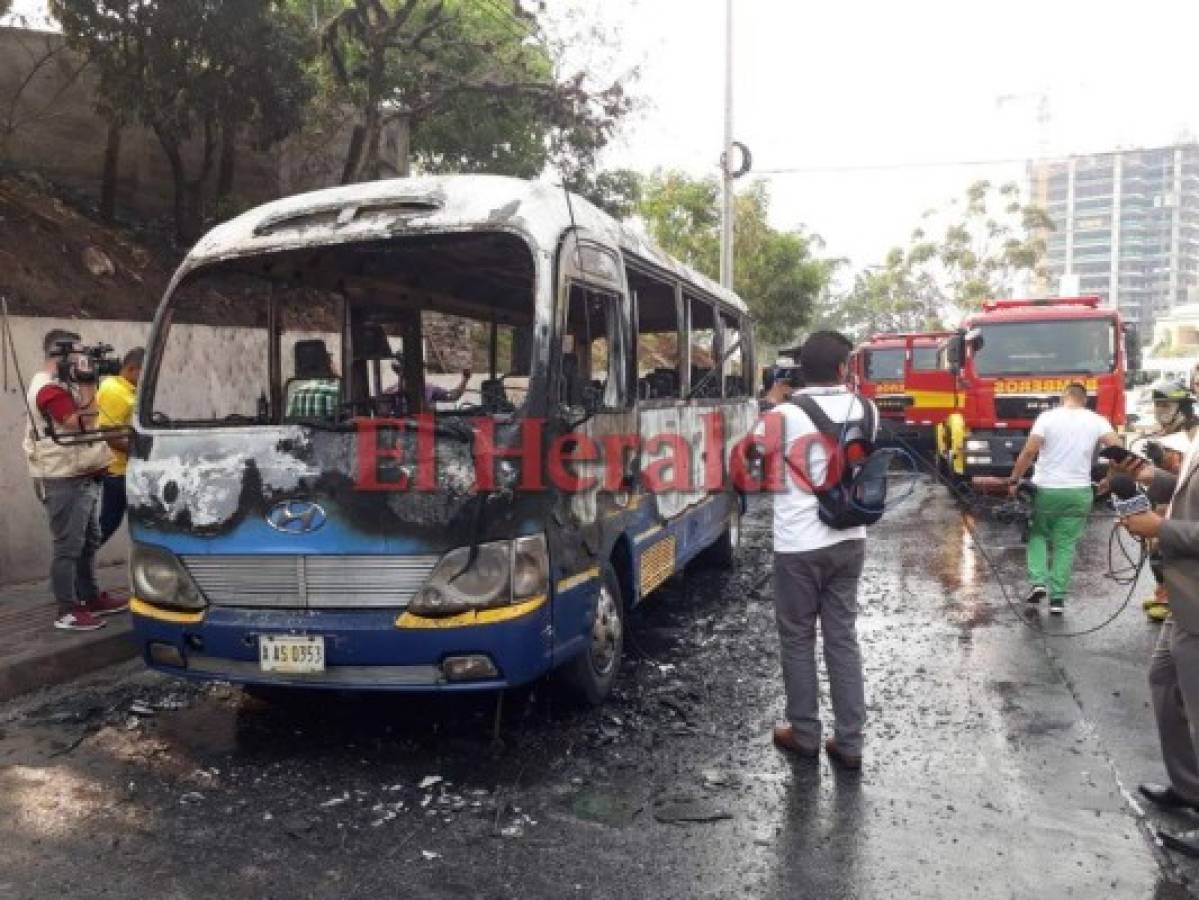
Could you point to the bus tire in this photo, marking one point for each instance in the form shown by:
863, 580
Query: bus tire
723, 552
590, 675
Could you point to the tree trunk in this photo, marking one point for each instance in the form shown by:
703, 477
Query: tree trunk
108, 178
179, 181
403, 158
368, 166
353, 155
228, 164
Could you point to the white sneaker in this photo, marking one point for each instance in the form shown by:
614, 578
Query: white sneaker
79, 619
1036, 595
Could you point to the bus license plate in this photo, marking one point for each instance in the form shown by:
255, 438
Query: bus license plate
290, 654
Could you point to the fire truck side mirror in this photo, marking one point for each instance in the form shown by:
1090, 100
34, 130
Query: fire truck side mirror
1132, 347
953, 352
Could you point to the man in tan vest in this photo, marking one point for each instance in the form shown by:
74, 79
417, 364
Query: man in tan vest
67, 478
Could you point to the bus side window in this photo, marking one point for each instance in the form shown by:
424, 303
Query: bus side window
591, 357
703, 352
735, 386
659, 361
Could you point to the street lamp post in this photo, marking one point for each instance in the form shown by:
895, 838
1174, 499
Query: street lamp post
726, 164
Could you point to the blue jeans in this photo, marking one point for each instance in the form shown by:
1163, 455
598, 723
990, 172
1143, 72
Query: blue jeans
112, 506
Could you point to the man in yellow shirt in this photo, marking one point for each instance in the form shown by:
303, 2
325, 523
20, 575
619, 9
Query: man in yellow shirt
115, 401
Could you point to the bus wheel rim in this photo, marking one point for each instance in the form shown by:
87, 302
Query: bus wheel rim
605, 633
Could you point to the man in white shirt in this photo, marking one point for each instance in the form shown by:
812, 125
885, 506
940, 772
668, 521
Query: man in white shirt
817, 568
1063, 442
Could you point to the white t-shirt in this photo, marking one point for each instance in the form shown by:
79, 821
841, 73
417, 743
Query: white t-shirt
1070, 434
797, 525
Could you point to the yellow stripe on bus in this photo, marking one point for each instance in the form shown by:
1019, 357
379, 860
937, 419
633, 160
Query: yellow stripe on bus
475, 617
567, 584
142, 608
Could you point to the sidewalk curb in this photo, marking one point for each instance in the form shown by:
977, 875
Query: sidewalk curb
38, 668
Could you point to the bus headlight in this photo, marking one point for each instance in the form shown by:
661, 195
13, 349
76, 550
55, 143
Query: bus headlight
530, 567
503, 572
158, 577
457, 584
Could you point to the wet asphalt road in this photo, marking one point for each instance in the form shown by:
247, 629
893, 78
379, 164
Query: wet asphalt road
999, 763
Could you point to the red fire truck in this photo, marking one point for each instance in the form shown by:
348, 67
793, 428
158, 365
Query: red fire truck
906, 377
1012, 361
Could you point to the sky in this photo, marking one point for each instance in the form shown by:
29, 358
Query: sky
876, 83
886, 83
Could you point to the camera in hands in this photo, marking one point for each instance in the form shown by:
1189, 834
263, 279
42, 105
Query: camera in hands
84, 364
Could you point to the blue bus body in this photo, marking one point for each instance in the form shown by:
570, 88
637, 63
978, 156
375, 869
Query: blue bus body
275, 547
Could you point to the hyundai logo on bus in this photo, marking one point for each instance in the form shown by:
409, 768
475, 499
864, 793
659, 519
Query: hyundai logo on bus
296, 516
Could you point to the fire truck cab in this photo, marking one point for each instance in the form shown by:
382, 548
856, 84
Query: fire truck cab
1011, 362
906, 377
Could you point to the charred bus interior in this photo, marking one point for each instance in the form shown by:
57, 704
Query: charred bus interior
328, 335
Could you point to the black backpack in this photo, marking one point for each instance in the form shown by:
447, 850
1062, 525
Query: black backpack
859, 495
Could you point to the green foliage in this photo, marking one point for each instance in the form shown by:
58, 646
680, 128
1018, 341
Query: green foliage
475, 85
193, 69
617, 191
989, 238
775, 272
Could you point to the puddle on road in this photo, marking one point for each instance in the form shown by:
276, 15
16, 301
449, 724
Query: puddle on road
605, 807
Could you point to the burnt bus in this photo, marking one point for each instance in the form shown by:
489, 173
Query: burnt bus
400, 435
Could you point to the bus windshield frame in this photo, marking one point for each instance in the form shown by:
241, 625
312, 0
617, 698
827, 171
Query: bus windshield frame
384, 328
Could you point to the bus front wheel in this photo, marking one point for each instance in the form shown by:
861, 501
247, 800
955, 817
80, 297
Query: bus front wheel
723, 552
591, 674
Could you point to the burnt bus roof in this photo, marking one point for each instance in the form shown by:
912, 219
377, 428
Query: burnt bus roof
378, 210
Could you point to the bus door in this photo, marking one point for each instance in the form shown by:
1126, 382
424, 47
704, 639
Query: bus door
590, 413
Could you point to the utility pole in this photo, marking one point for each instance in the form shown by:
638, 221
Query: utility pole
726, 164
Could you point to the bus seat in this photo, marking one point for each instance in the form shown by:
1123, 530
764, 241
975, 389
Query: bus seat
494, 397
572, 384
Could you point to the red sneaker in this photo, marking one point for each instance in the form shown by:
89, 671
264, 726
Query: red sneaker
79, 619
107, 604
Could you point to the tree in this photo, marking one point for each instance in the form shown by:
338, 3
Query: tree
465, 86
989, 239
892, 297
775, 271
42, 54
616, 191
193, 70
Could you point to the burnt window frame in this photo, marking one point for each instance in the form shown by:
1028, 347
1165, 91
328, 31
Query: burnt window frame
643, 270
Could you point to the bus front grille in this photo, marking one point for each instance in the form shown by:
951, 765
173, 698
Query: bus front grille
310, 582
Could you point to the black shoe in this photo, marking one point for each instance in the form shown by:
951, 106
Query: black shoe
1165, 797
1036, 595
1185, 842
1057, 606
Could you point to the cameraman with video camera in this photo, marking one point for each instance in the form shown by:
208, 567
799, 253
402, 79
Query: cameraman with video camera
67, 476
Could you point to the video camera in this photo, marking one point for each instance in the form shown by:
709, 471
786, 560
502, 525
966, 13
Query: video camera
792, 373
84, 364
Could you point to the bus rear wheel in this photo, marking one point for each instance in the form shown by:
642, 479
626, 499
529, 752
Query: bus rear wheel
591, 674
723, 553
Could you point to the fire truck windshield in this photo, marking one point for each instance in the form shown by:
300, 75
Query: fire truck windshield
1075, 346
884, 365
924, 359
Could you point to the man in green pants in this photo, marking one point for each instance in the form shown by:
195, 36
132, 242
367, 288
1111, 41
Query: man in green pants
1063, 442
